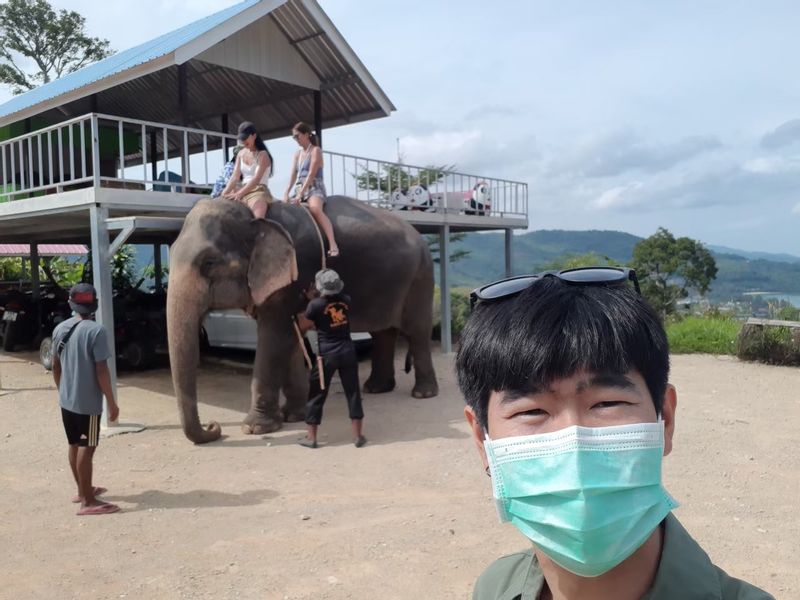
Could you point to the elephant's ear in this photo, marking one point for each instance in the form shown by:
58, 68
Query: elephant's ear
273, 264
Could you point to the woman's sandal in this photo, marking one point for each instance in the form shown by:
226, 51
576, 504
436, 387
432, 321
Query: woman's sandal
333, 252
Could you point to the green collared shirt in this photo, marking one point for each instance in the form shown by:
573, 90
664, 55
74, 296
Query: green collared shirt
685, 572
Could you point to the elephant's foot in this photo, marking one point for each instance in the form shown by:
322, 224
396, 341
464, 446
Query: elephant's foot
377, 385
425, 389
259, 424
293, 416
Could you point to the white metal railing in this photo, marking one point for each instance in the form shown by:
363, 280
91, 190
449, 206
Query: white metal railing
102, 150
400, 186
48, 158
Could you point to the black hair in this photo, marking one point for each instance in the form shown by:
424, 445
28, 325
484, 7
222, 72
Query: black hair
261, 146
552, 330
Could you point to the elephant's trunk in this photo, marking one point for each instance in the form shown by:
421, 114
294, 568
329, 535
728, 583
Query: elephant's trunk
184, 310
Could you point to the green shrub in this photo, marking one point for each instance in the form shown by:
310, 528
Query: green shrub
459, 307
709, 335
788, 313
771, 345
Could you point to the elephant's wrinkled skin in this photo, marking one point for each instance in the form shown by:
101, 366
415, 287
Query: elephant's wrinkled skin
223, 258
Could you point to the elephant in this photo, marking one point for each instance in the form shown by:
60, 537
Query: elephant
224, 258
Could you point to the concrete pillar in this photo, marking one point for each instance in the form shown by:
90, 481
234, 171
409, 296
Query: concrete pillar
509, 252
444, 288
101, 274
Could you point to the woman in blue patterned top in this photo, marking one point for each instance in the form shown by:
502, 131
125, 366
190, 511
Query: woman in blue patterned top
308, 181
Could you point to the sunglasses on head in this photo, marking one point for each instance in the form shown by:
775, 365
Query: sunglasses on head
580, 276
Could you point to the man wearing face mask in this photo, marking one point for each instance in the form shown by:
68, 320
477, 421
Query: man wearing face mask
566, 381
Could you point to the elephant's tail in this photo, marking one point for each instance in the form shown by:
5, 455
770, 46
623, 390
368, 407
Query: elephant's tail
409, 361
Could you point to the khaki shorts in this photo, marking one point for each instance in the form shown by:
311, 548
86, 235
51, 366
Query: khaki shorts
260, 192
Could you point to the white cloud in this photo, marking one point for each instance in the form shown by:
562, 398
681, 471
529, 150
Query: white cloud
772, 164
618, 197
441, 147
624, 151
473, 151
784, 135
796, 209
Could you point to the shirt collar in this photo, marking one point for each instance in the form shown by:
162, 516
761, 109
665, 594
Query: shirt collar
685, 571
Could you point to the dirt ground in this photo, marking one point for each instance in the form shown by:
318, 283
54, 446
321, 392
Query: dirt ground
409, 516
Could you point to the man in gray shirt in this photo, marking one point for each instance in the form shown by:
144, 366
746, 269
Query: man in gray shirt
82, 377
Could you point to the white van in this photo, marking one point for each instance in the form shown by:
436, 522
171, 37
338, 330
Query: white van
236, 329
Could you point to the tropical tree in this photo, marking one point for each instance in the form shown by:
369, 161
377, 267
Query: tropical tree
10, 268
65, 273
456, 254
31, 31
669, 268
393, 177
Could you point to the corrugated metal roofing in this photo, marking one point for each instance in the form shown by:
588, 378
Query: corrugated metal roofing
350, 93
44, 250
122, 61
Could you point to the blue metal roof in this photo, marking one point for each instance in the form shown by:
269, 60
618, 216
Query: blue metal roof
122, 61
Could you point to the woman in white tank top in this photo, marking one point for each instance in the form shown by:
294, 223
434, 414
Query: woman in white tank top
254, 165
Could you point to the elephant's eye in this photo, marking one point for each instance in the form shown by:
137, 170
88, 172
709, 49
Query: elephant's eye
209, 263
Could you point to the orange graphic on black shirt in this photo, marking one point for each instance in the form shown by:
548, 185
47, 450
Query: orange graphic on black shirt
336, 314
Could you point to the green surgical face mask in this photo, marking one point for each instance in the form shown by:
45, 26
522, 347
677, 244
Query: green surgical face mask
588, 497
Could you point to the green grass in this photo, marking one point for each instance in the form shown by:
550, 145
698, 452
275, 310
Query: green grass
707, 335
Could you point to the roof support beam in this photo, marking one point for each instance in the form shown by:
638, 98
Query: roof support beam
253, 102
310, 36
183, 96
121, 238
318, 115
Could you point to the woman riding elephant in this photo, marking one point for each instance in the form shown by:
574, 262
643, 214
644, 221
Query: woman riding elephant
254, 165
308, 183
225, 259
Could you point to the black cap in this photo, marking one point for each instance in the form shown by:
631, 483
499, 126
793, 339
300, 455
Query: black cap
83, 298
246, 129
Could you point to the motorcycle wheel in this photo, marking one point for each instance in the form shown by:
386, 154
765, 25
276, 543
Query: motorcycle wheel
46, 353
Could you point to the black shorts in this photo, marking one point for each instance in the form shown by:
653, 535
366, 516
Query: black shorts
83, 430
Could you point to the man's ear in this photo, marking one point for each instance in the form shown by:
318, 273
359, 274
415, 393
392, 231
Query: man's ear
478, 434
668, 416
273, 264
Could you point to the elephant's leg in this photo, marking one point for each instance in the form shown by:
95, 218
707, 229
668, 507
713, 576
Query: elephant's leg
272, 363
295, 388
264, 415
425, 384
382, 377
416, 326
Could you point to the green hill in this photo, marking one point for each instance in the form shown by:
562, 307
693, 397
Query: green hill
737, 272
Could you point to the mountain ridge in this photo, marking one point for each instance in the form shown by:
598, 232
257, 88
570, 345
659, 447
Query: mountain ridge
738, 270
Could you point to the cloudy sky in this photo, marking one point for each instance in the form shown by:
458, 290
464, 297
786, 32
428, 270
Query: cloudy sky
619, 115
